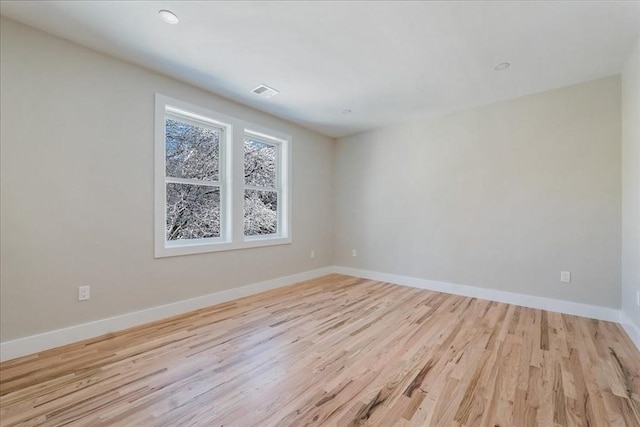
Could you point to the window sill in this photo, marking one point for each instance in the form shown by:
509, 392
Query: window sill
162, 251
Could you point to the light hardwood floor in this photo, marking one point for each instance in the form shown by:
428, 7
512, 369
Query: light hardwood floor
337, 351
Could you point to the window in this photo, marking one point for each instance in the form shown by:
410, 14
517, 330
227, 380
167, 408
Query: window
193, 178
261, 186
200, 155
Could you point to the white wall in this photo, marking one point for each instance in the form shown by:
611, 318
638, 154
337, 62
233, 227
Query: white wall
631, 186
503, 196
77, 190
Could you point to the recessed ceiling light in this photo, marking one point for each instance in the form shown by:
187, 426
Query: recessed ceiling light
346, 111
501, 66
168, 16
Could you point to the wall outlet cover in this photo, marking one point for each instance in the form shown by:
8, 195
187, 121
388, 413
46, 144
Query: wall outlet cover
84, 293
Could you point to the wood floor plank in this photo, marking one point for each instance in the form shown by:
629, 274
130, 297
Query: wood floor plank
336, 351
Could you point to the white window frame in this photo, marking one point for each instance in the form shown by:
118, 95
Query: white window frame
231, 180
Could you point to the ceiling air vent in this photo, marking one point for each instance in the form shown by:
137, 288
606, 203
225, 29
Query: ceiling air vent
265, 91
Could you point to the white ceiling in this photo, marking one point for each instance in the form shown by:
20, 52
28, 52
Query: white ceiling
386, 61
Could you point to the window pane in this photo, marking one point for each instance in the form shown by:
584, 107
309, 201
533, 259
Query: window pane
259, 163
193, 211
260, 212
191, 151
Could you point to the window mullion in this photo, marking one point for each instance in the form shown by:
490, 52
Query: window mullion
237, 183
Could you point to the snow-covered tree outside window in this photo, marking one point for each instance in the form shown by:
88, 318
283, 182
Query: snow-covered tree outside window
193, 188
261, 187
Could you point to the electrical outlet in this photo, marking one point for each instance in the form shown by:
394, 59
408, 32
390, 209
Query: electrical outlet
565, 276
354, 253
312, 255
84, 293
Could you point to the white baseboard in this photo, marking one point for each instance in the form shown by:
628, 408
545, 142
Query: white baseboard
630, 328
566, 307
36, 343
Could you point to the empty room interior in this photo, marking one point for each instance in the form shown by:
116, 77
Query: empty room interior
326, 213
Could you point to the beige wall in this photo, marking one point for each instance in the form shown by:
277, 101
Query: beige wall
77, 190
631, 185
503, 196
